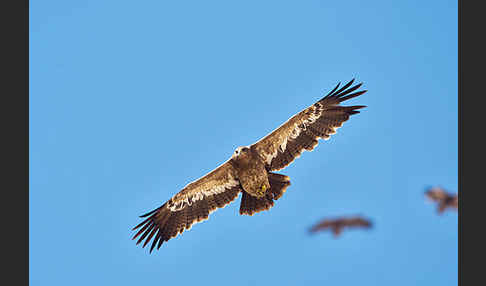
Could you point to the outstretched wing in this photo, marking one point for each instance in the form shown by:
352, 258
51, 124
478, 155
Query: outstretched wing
436, 194
324, 224
301, 132
357, 221
455, 202
451, 201
191, 205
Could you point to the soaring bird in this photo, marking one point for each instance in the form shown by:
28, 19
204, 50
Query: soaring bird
250, 170
336, 225
442, 198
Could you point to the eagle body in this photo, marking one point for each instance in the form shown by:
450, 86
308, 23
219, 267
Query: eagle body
449, 202
250, 170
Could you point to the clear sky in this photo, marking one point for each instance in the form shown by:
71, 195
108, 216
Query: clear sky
132, 100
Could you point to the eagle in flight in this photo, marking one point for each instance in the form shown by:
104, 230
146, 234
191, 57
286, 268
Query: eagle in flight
336, 225
443, 199
250, 170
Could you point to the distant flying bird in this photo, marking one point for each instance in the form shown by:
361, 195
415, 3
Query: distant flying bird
442, 198
336, 225
250, 170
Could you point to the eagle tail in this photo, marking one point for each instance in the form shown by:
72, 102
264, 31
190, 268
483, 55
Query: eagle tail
336, 231
441, 208
251, 205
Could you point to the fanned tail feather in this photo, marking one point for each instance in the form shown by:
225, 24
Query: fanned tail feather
251, 205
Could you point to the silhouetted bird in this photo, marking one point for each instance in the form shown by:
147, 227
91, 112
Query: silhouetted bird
337, 224
444, 199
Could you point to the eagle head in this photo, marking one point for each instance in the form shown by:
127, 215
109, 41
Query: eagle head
243, 150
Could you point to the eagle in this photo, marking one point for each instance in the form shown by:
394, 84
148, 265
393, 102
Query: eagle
443, 198
337, 224
250, 170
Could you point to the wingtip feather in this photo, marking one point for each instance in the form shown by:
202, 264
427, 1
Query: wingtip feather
333, 90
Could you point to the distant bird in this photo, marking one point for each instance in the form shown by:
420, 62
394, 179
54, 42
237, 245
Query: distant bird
444, 199
336, 225
250, 170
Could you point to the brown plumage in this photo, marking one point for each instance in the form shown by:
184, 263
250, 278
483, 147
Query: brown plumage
443, 199
250, 170
336, 225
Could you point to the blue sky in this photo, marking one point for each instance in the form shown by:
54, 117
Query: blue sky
130, 101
